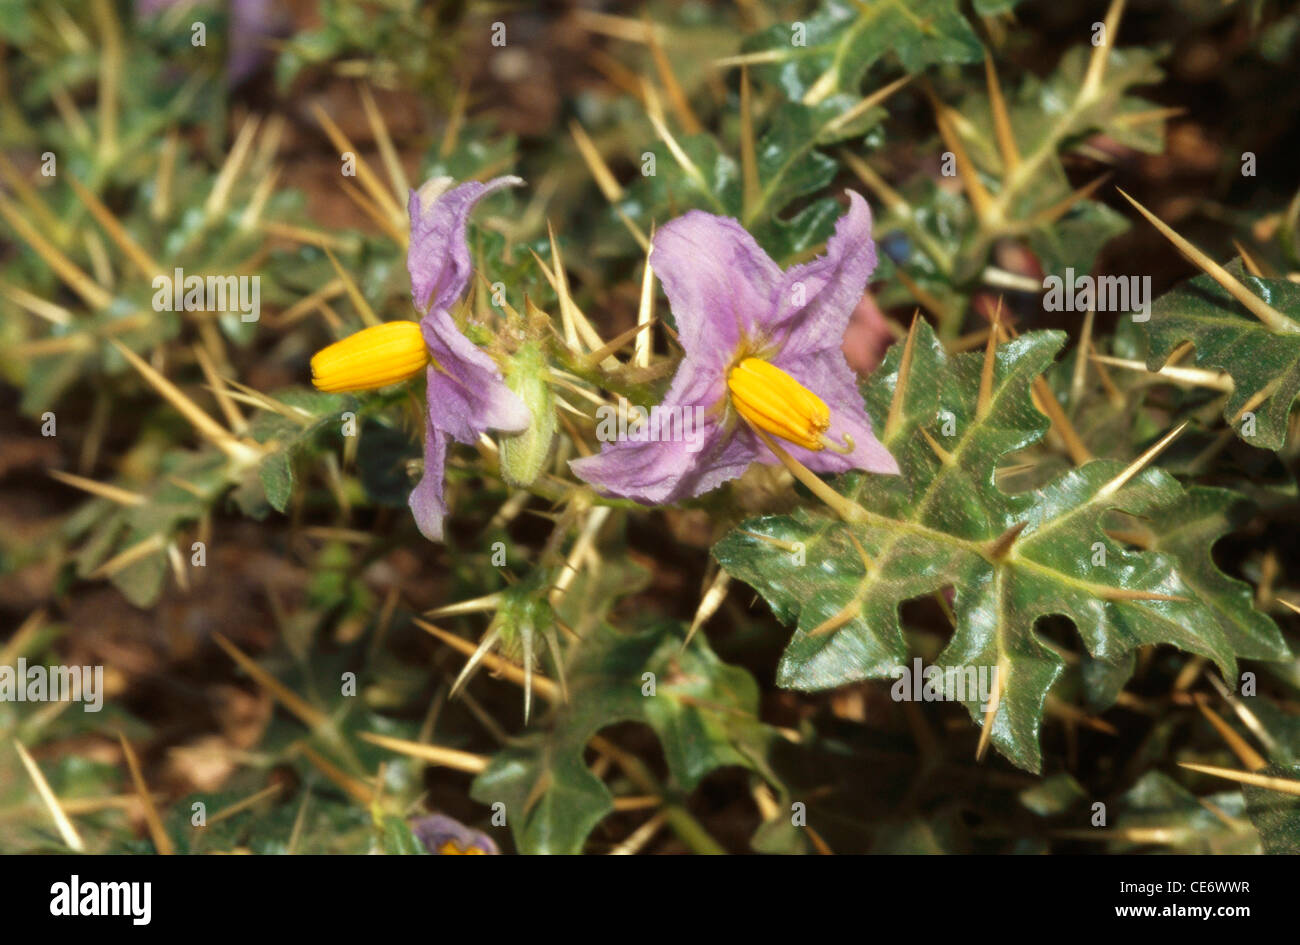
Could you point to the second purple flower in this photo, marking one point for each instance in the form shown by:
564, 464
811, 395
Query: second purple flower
762, 351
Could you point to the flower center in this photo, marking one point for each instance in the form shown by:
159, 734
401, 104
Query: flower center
373, 357
450, 847
776, 403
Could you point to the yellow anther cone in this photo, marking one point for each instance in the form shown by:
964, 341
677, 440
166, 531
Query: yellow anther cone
373, 357
775, 402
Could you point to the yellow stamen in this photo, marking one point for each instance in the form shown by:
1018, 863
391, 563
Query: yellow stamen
373, 357
451, 848
774, 401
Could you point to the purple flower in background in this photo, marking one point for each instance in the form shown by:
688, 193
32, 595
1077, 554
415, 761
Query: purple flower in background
252, 24
467, 394
441, 834
762, 348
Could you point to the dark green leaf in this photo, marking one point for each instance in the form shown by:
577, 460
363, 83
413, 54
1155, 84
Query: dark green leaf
1264, 364
830, 51
934, 527
702, 709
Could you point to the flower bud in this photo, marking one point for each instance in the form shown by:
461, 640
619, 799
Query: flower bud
524, 454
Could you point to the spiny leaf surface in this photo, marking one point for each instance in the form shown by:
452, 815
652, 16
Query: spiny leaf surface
1264, 364
935, 527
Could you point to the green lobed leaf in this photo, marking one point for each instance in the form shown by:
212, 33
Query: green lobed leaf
314, 413
1264, 364
842, 40
1048, 117
1074, 241
711, 181
788, 163
1188, 531
932, 528
703, 711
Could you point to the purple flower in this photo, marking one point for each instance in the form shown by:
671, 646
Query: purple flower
734, 306
441, 834
466, 392
253, 24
